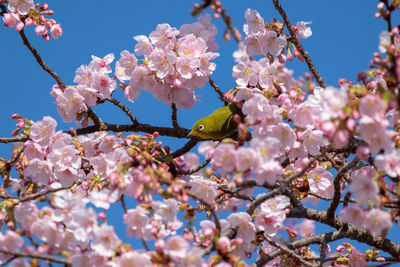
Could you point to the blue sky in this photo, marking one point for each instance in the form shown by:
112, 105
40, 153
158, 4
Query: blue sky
345, 34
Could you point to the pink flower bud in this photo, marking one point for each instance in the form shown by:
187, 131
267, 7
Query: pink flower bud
380, 6
101, 216
341, 138
159, 245
20, 26
28, 21
351, 124
362, 152
223, 243
10, 20
44, 7
328, 128
40, 29
16, 116
216, 16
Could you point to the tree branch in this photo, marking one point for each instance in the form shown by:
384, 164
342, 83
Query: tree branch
40, 60
298, 45
36, 256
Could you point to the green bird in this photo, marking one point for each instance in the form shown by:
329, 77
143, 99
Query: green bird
218, 124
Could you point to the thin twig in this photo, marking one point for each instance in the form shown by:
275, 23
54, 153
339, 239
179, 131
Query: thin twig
123, 108
288, 251
40, 60
217, 90
14, 139
36, 256
336, 184
298, 45
198, 168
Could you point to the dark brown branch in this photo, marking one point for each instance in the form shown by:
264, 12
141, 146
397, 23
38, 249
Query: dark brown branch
124, 109
217, 90
261, 198
288, 251
336, 184
201, 166
37, 256
316, 239
228, 21
186, 148
40, 60
298, 45
13, 139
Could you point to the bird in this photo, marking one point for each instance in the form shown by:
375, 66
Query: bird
218, 124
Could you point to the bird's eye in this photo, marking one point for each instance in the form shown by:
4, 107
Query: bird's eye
201, 127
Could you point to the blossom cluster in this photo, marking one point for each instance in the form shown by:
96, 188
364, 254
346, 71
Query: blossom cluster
175, 63
24, 13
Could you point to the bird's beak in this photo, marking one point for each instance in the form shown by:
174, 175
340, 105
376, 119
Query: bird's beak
190, 134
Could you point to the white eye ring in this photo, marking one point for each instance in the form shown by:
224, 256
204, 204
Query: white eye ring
201, 127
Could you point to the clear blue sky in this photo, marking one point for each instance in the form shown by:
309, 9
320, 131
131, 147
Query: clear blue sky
345, 34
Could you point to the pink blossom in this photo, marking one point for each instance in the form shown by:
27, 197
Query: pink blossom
302, 30
269, 171
70, 103
333, 101
194, 257
205, 190
272, 43
105, 240
305, 114
356, 259
90, 95
269, 223
40, 30
187, 66
125, 65
254, 22
40, 171
307, 227
224, 157
319, 180
253, 45
67, 165
313, 140
389, 162
11, 241
103, 84
191, 46
363, 185
164, 36
162, 62
56, 31
83, 75
103, 198
246, 229
11, 20
246, 72
266, 76
257, 108
176, 247
376, 220
266, 148
21, 6
134, 258
371, 106
246, 158
42, 131
136, 221
206, 67
353, 214
191, 161
102, 64
285, 134
166, 210
144, 46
